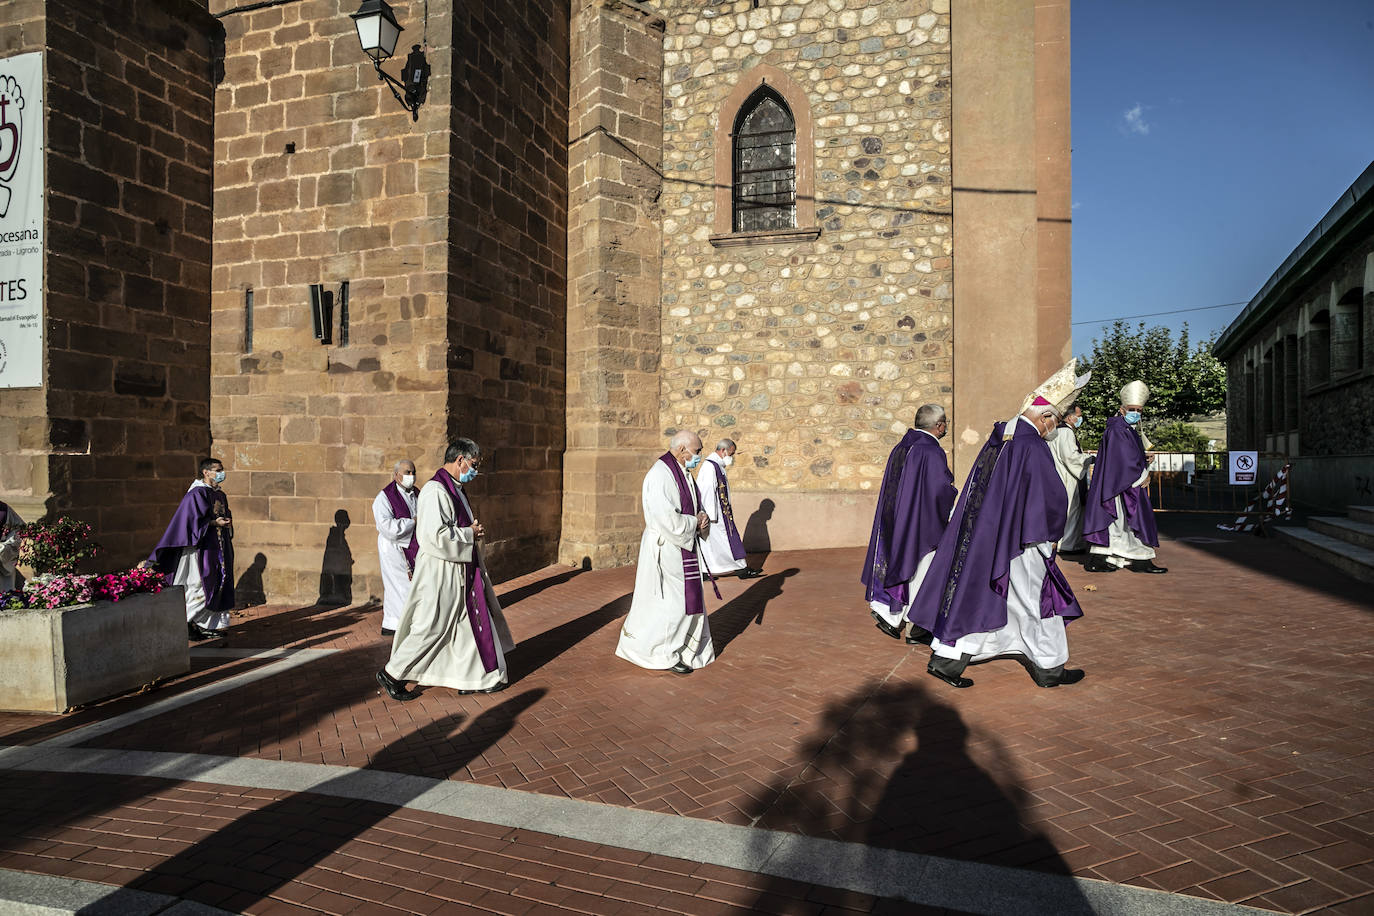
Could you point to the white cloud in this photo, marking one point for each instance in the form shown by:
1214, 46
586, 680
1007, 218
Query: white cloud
1134, 120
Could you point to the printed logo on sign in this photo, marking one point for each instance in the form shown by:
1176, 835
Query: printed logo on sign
4, 357
11, 133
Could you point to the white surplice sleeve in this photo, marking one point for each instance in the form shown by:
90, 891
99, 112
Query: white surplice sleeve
1070, 457
9, 547
707, 484
388, 525
661, 509
437, 530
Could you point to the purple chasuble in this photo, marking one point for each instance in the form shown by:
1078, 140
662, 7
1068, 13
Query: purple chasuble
193, 526
479, 615
694, 598
1013, 499
1120, 462
727, 514
400, 509
913, 510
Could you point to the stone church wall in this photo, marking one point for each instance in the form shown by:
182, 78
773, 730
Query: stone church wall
812, 355
449, 232
114, 437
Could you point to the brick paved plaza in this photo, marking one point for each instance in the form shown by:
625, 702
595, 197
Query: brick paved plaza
1219, 748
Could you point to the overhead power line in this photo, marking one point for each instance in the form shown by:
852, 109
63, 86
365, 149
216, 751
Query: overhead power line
1200, 308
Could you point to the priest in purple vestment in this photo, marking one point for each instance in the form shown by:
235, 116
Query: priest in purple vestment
1118, 519
197, 551
913, 509
393, 511
452, 632
723, 549
994, 588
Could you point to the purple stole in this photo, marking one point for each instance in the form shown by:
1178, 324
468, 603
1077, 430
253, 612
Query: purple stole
399, 509
479, 615
693, 598
727, 515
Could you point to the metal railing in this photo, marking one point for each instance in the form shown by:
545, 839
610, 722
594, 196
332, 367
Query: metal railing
1200, 482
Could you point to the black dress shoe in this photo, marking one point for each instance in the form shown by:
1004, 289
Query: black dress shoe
199, 633
386, 632
1059, 678
950, 679
1147, 566
1096, 565
682, 668
889, 629
497, 689
918, 636
394, 688
750, 572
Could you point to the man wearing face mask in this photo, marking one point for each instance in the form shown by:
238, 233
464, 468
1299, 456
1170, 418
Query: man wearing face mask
1118, 520
1072, 465
666, 628
723, 549
394, 512
452, 632
913, 509
197, 550
994, 587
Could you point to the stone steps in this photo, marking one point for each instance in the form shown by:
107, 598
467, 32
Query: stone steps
1351, 559
1361, 534
1360, 513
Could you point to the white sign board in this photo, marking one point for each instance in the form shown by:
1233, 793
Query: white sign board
21, 221
1244, 467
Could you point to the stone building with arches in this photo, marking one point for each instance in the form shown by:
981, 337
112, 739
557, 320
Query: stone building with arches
786, 222
1300, 359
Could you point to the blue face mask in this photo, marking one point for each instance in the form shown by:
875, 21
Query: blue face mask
466, 476
1133, 417
693, 462
219, 477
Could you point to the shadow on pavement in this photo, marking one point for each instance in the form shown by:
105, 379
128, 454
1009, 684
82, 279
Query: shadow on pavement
938, 800
730, 619
273, 845
1268, 556
519, 594
534, 653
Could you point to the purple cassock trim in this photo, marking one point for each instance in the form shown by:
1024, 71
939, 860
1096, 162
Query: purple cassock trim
727, 515
1120, 462
479, 615
400, 509
192, 526
693, 597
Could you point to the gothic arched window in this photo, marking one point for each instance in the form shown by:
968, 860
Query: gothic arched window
765, 165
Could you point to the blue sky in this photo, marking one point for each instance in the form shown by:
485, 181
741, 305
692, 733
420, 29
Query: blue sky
1209, 137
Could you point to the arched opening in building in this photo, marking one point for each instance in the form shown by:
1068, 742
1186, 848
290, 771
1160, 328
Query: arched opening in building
765, 164
1347, 333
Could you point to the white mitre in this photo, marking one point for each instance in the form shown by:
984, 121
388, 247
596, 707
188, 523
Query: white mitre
1059, 390
1136, 392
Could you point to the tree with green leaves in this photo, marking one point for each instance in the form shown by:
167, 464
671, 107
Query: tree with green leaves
1185, 380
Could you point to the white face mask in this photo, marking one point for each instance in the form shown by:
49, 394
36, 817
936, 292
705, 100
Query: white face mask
408, 481
1049, 436
728, 460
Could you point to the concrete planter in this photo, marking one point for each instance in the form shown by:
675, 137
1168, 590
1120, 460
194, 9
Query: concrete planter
52, 660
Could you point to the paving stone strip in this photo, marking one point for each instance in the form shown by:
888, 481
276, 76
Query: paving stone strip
921, 879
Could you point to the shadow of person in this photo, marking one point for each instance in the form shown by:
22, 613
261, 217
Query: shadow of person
250, 591
291, 835
336, 568
537, 651
755, 537
533, 588
731, 618
866, 785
